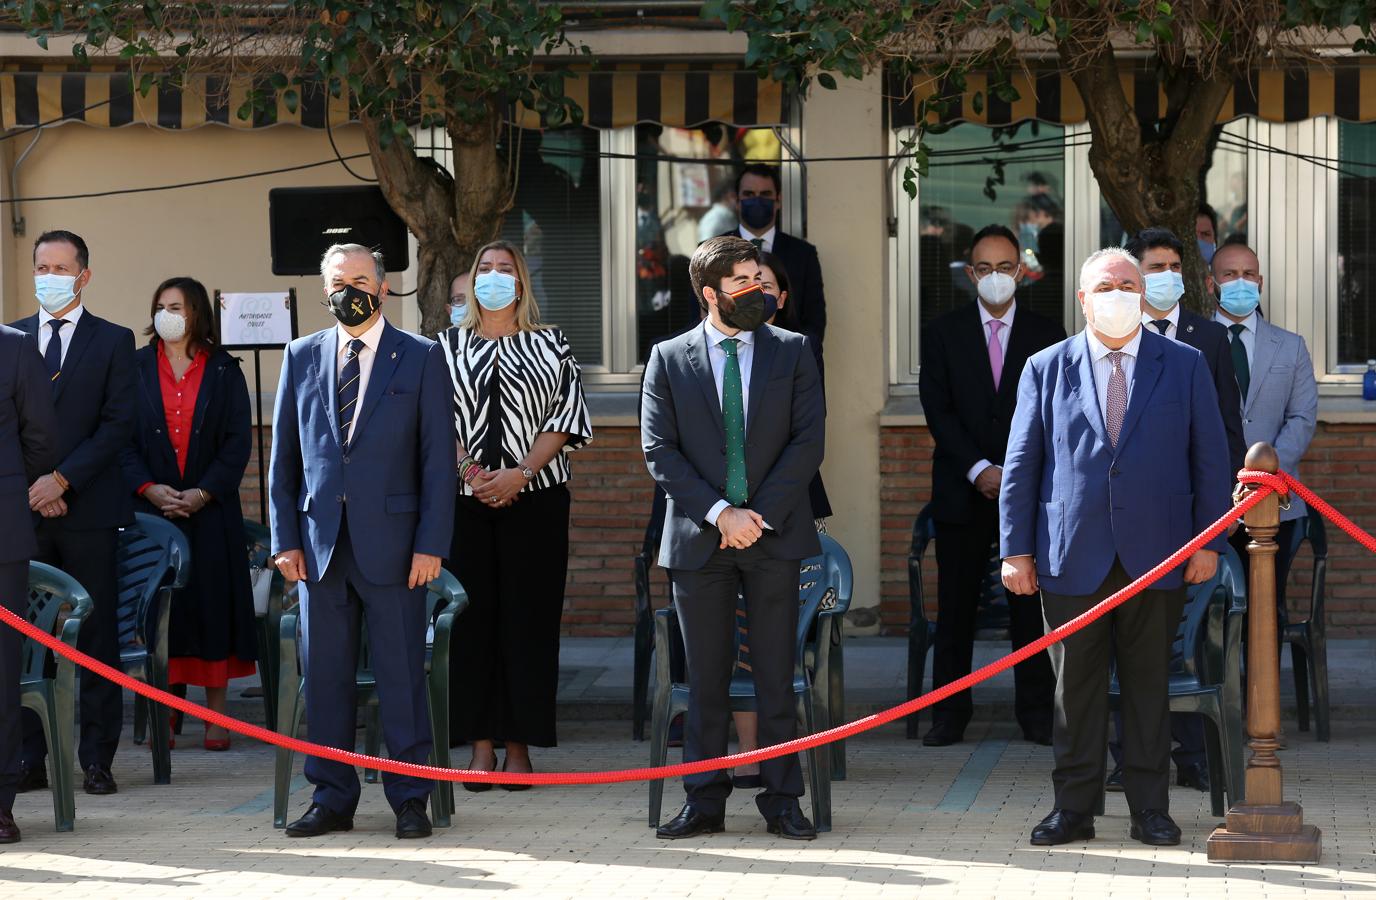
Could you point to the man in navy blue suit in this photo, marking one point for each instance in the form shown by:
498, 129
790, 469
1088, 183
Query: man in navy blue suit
28, 451
362, 501
82, 501
1116, 458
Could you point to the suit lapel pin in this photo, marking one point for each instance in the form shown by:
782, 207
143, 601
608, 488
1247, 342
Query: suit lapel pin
1189, 329
394, 354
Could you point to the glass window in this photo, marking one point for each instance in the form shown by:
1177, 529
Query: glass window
1356, 243
1013, 176
556, 220
678, 206
1225, 189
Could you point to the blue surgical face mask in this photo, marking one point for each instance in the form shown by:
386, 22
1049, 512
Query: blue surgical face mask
495, 290
456, 313
54, 292
757, 212
1206, 250
1239, 297
1164, 289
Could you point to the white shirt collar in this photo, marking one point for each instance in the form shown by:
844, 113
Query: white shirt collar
985, 317
1249, 323
1098, 351
72, 317
767, 237
715, 337
1173, 317
371, 338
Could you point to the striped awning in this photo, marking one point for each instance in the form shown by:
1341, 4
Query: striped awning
1346, 89
610, 97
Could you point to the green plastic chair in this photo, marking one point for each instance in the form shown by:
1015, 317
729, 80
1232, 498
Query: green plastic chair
153, 560
671, 698
447, 599
825, 651
54, 698
269, 667
1206, 676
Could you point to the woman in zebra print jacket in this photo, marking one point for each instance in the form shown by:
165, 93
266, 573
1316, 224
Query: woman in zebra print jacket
519, 410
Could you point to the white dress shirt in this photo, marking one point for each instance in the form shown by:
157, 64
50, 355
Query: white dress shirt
1173, 317
370, 339
745, 354
985, 317
1103, 368
64, 334
1248, 336
767, 238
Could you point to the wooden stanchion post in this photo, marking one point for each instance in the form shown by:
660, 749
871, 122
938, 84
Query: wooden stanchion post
1264, 828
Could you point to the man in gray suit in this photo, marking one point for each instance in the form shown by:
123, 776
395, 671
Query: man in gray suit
1275, 377
732, 421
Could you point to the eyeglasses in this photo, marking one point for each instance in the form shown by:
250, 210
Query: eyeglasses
1006, 268
457, 301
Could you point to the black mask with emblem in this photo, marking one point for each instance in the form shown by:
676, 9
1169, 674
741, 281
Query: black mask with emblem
352, 306
747, 311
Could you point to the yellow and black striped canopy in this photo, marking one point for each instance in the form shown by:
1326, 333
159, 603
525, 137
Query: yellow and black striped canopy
1345, 89
676, 95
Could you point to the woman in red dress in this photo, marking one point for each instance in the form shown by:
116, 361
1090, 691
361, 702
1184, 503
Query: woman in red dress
190, 448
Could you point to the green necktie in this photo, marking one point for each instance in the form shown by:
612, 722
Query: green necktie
1240, 366
758, 242
733, 418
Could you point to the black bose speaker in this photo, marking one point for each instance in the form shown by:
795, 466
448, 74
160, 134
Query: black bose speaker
304, 222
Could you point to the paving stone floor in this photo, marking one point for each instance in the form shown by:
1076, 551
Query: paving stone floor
910, 821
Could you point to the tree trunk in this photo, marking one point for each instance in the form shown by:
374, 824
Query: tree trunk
450, 217
1154, 181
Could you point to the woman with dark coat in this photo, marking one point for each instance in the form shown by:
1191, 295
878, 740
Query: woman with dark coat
190, 448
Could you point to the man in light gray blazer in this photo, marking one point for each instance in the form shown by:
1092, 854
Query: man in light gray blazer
1280, 399
732, 423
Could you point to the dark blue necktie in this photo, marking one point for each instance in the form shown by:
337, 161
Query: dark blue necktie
348, 391
53, 355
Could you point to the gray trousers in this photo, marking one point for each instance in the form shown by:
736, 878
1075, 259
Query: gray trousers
1141, 631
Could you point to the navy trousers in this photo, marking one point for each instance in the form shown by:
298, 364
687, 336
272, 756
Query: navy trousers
396, 617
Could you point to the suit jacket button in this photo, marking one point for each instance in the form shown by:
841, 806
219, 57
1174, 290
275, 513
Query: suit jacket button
346, 460
339, 498
1113, 471
721, 489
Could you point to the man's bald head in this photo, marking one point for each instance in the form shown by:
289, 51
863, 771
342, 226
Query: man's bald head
1233, 258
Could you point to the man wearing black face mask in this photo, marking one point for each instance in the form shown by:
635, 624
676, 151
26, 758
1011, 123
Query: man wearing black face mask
362, 500
759, 192
738, 517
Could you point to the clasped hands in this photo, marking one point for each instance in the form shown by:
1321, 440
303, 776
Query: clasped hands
45, 498
175, 504
739, 528
499, 488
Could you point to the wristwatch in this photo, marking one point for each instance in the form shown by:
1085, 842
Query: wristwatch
527, 473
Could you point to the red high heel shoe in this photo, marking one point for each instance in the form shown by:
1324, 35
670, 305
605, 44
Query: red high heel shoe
217, 744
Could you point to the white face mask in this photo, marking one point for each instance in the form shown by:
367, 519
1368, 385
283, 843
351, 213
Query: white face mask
997, 288
170, 326
54, 292
1116, 313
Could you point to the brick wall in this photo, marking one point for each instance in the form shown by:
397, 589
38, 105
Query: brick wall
1340, 466
611, 503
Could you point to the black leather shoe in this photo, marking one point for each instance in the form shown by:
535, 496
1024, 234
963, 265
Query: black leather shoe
35, 779
792, 826
1062, 827
514, 787
1154, 828
1114, 782
317, 821
477, 787
1039, 736
1195, 776
99, 781
690, 823
943, 735
412, 822
9, 832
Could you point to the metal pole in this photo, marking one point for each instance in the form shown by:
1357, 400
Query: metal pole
262, 464
1264, 828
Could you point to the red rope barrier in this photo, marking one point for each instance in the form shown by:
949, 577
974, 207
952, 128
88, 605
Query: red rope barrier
1265, 482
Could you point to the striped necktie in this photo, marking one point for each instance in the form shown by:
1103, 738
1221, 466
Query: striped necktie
348, 391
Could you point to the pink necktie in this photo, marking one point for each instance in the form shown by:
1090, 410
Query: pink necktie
995, 351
